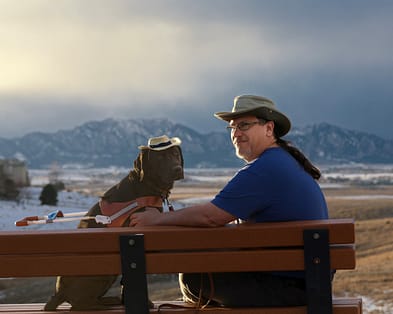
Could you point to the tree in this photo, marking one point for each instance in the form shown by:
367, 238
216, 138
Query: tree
49, 195
9, 190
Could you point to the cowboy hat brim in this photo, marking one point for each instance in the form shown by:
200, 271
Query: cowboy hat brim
282, 123
174, 141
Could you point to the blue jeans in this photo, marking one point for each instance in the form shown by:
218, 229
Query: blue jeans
248, 289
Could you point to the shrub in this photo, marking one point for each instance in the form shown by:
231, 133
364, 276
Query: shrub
49, 195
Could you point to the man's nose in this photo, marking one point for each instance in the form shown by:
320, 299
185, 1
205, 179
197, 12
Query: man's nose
236, 133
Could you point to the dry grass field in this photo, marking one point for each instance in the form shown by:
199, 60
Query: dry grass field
372, 209
373, 277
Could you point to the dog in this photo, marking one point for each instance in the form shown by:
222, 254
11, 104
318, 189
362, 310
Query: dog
156, 168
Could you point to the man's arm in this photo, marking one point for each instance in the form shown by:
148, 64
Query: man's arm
201, 215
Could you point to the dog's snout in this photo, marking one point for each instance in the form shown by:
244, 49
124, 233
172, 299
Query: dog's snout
178, 172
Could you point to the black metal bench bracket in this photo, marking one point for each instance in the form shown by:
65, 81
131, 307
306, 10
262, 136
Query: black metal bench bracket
133, 264
316, 259
318, 272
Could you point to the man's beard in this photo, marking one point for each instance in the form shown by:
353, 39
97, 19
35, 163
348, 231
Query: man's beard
242, 154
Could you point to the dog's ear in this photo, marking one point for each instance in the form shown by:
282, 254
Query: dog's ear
181, 156
138, 164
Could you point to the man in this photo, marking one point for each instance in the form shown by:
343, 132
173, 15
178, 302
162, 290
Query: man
277, 184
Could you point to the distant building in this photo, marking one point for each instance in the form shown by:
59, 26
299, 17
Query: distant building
13, 175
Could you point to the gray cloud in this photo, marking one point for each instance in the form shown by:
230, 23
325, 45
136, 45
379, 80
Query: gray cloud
83, 60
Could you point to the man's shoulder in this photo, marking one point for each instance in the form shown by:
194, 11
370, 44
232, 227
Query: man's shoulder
272, 155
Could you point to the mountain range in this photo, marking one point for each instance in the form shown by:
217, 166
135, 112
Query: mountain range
114, 142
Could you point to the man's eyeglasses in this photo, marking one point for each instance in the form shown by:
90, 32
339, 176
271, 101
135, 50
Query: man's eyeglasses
244, 126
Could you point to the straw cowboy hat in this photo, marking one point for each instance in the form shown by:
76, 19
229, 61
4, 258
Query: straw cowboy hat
260, 107
161, 143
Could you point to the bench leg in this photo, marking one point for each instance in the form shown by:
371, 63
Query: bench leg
133, 266
318, 273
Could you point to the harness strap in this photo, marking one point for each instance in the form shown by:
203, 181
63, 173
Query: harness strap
120, 211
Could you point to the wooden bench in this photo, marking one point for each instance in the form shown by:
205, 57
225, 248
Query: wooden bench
316, 246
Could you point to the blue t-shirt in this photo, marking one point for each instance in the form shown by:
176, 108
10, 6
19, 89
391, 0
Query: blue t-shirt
274, 187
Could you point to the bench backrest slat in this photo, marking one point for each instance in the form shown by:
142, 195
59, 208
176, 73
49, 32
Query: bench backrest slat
173, 238
27, 265
213, 261
267, 246
263, 260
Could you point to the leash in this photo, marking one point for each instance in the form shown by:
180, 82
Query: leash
166, 202
198, 306
59, 216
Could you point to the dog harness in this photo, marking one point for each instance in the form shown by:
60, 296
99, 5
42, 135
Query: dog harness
118, 212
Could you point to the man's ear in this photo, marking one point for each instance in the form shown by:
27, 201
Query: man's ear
270, 128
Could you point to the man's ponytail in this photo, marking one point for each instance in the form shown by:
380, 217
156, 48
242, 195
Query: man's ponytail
301, 159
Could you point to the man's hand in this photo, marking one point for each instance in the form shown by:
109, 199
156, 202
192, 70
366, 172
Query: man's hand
151, 216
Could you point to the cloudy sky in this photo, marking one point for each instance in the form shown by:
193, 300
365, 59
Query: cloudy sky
66, 62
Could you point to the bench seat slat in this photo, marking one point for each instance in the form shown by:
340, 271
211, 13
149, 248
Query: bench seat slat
340, 306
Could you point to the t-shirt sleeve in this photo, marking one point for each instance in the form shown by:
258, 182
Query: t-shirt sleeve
241, 197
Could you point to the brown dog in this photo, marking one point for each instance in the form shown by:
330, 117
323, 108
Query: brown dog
156, 168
